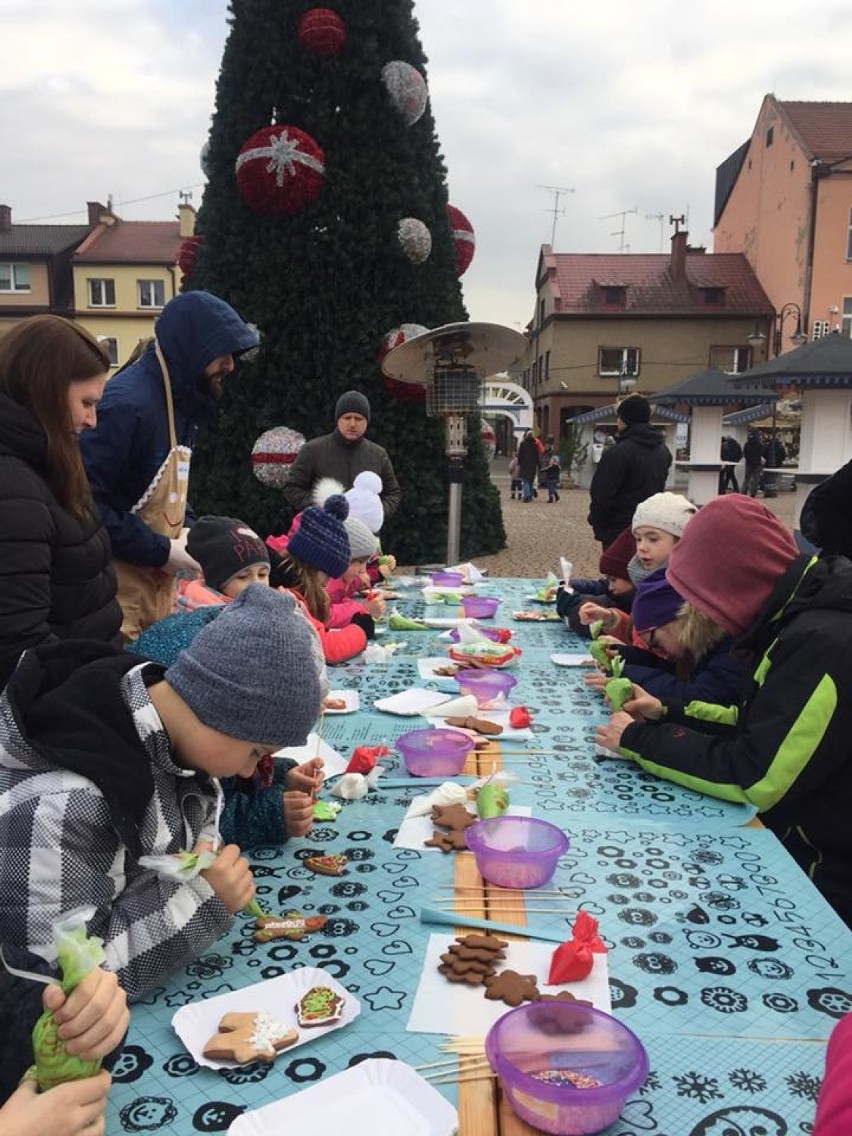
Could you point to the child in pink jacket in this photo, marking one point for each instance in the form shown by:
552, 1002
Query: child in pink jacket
344, 592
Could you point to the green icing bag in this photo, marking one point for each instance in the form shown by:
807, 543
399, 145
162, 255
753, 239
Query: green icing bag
491, 800
397, 622
618, 690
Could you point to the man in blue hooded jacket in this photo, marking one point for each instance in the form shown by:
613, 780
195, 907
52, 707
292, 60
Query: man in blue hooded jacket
137, 458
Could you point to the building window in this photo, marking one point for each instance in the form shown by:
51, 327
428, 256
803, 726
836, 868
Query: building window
714, 296
618, 361
14, 277
110, 345
615, 294
540, 313
770, 136
101, 293
152, 293
849, 238
846, 321
546, 365
733, 360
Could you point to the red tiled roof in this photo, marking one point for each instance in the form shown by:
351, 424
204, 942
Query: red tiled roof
825, 129
651, 289
132, 242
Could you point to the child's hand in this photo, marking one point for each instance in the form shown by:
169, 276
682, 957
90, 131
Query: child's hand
597, 680
387, 567
298, 809
590, 612
230, 877
93, 1019
70, 1109
644, 705
375, 607
609, 735
306, 778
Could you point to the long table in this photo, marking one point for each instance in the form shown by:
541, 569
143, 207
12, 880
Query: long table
722, 957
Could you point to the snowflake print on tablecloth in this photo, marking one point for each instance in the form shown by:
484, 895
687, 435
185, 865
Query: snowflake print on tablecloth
803, 1085
651, 1083
724, 999
697, 1087
747, 1081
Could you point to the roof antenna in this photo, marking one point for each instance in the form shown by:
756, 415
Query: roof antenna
557, 191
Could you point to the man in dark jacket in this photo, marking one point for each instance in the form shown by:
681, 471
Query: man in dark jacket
731, 451
633, 469
341, 456
137, 458
753, 454
784, 746
528, 459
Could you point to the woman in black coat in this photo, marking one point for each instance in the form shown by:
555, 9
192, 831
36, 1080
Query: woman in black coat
56, 579
528, 458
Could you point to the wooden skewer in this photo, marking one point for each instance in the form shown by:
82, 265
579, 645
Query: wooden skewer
484, 1074
478, 1057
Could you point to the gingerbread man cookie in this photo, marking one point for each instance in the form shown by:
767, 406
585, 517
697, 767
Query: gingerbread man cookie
510, 987
455, 817
244, 1037
452, 841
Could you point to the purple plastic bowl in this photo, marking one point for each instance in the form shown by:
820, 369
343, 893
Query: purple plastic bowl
446, 579
484, 685
563, 1040
515, 851
492, 633
480, 607
434, 753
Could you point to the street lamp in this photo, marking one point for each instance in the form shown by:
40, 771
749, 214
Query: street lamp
757, 338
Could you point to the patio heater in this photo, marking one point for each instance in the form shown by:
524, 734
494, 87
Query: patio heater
451, 362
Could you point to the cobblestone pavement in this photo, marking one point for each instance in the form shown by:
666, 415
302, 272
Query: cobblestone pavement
538, 534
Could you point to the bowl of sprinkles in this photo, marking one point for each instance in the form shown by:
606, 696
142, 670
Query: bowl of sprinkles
566, 1068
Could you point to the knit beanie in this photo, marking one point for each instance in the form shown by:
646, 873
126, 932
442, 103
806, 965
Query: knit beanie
616, 556
249, 673
352, 402
362, 543
730, 558
223, 546
655, 603
321, 539
365, 502
634, 409
668, 512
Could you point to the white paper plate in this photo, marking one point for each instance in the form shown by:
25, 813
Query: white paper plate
377, 1095
449, 622
435, 595
573, 659
541, 616
537, 599
197, 1022
602, 751
426, 670
351, 697
315, 747
412, 701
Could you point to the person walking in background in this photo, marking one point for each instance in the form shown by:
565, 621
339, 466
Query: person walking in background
341, 456
774, 456
630, 471
528, 458
732, 451
753, 454
58, 580
516, 486
137, 458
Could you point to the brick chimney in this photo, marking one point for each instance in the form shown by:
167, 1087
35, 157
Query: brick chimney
186, 217
678, 261
96, 211
5, 218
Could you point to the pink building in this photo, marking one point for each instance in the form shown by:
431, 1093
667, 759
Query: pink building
784, 199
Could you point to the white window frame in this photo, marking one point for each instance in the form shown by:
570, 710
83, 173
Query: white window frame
18, 275
741, 357
846, 318
145, 293
102, 284
110, 345
628, 365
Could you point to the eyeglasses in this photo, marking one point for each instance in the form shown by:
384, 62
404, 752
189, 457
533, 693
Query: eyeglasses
650, 638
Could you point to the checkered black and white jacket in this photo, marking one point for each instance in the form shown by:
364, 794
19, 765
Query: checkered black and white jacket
60, 842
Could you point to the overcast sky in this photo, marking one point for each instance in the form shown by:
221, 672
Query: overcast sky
630, 105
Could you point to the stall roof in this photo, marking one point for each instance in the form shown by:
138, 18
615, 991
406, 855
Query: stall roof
608, 413
710, 387
825, 362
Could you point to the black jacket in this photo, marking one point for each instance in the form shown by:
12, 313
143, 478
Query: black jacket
56, 580
753, 451
826, 520
787, 746
628, 472
331, 455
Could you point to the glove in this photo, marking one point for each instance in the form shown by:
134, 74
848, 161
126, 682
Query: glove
365, 622
567, 601
180, 561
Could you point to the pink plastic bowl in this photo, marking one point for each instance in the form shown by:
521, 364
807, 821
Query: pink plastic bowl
479, 607
516, 852
447, 579
434, 753
484, 685
544, 1051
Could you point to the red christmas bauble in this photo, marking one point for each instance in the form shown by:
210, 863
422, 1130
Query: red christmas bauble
322, 32
188, 253
405, 392
464, 238
279, 170
273, 453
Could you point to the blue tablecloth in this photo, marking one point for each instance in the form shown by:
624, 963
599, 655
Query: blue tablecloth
712, 929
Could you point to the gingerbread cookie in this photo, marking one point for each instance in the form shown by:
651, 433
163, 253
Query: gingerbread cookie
464, 966
244, 1037
478, 725
319, 1006
290, 925
455, 817
510, 987
471, 959
447, 841
488, 944
334, 864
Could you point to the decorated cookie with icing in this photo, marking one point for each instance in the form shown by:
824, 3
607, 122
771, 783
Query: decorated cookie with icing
319, 1006
334, 864
290, 925
244, 1037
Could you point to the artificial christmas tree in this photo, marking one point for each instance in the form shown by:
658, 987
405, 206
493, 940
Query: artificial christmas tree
326, 280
